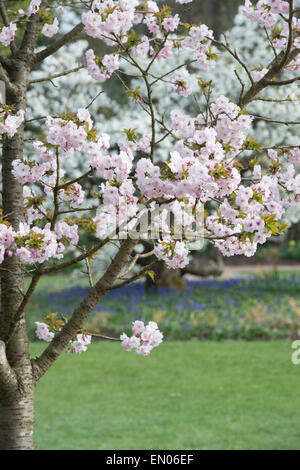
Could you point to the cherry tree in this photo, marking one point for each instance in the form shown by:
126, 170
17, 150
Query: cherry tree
45, 213
278, 103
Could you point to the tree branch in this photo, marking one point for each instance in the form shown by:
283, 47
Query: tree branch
286, 123
57, 75
235, 55
274, 68
4, 76
69, 330
76, 180
58, 267
40, 56
282, 82
286, 54
30, 38
134, 261
8, 379
275, 100
136, 276
34, 281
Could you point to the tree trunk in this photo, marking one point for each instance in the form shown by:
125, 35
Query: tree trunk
207, 264
216, 14
16, 379
164, 277
17, 420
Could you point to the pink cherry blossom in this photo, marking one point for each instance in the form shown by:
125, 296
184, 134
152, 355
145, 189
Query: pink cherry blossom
171, 23
50, 29
144, 338
7, 34
42, 332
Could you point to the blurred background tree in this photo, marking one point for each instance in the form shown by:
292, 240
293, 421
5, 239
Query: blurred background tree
217, 14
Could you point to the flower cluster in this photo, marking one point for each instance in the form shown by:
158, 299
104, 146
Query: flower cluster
7, 235
173, 253
68, 134
35, 244
142, 47
43, 333
73, 194
258, 74
80, 344
143, 339
109, 18
266, 12
199, 42
50, 29
180, 80
111, 21
270, 14
10, 122
7, 34
170, 23
33, 7
101, 69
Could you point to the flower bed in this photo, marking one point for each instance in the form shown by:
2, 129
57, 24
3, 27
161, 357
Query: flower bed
258, 308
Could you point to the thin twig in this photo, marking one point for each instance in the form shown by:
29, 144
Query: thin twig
274, 121
57, 75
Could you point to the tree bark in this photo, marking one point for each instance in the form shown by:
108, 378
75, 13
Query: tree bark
16, 407
16, 396
16, 424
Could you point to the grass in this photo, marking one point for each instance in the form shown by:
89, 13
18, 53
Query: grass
186, 395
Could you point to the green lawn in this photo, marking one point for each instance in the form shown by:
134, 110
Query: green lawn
186, 395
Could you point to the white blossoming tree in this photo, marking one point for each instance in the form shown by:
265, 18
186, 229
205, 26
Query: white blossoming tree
178, 156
